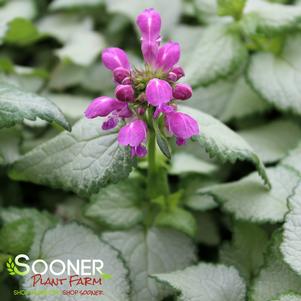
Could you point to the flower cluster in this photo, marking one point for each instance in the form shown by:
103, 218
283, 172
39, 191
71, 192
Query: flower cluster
148, 95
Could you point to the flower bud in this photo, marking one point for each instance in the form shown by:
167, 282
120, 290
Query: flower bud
158, 92
127, 81
114, 58
168, 56
172, 77
182, 91
125, 93
120, 74
103, 106
178, 71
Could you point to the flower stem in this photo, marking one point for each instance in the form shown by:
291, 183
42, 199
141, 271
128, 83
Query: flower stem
157, 181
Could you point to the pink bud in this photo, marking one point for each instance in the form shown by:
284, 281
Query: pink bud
182, 91
141, 111
158, 92
172, 77
103, 106
149, 23
127, 81
114, 58
120, 74
182, 126
125, 93
168, 56
178, 71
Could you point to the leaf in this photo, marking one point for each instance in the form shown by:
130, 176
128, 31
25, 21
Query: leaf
21, 32
228, 99
63, 26
16, 237
206, 282
9, 147
231, 8
270, 18
221, 142
82, 48
17, 105
290, 246
271, 141
74, 242
182, 163
293, 160
249, 200
71, 105
288, 297
41, 221
218, 53
179, 219
200, 202
118, 206
17, 9
246, 251
131, 8
277, 78
243, 102
151, 251
71, 4
81, 161
275, 277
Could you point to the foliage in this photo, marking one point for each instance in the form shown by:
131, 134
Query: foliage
216, 219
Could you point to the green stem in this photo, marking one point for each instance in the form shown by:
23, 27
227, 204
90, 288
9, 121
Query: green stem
157, 180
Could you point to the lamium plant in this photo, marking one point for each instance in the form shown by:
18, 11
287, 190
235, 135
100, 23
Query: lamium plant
145, 98
168, 175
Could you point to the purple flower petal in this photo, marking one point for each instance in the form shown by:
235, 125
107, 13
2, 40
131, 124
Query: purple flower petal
182, 91
181, 125
149, 23
125, 93
158, 92
139, 151
149, 50
133, 134
163, 109
125, 112
114, 58
103, 106
110, 123
168, 56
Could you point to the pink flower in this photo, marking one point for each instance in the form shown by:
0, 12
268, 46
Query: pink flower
147, 92
182, 126
168, 56
149, 23
114, 58
182, 91
134, 134
158, 92
125, 93
103, 106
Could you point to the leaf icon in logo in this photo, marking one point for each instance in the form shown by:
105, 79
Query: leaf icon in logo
10, 266
12, 269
